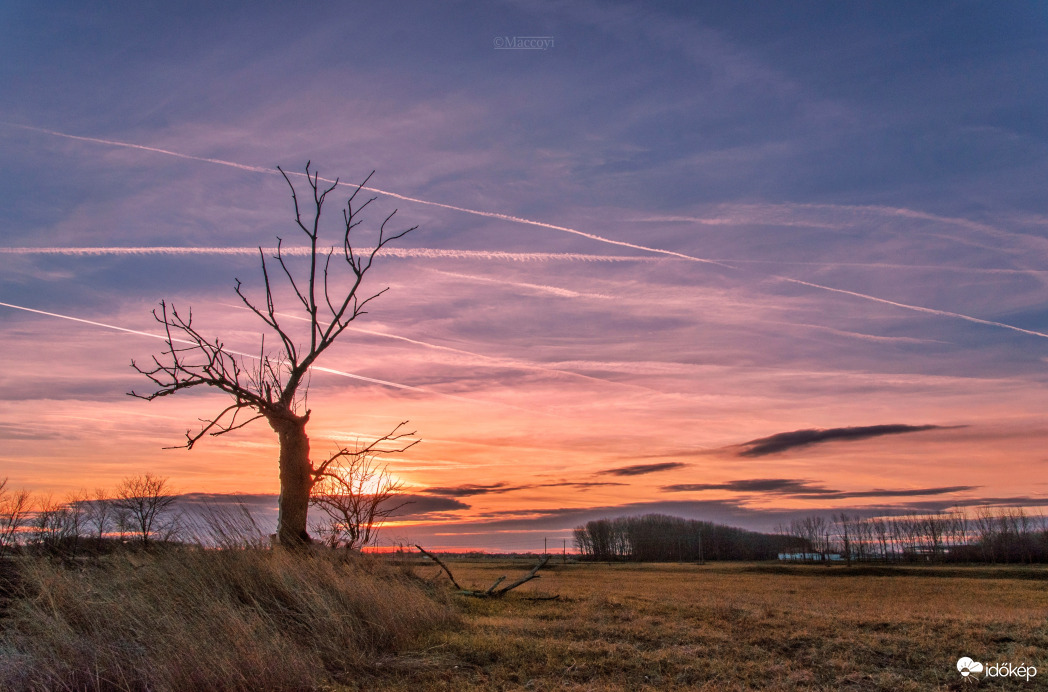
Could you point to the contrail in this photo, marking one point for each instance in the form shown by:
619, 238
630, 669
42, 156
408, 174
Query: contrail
93, 324
425, 253
500, 361
495, 255
564, 229
406, 198
918, 308
140, 147
385, 383
552, 290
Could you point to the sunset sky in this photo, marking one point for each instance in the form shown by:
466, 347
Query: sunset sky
727, 261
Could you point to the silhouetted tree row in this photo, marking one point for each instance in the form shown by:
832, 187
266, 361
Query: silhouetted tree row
662, 538
140, 510
357, 494
985, 534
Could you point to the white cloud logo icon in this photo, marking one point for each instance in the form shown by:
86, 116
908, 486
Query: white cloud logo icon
967, 666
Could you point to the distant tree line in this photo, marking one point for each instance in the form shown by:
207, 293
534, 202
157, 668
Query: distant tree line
356, 497
985, 534
140, 510
959, 535
662, 538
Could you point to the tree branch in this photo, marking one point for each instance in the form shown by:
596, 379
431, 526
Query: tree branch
491, 591
272, 387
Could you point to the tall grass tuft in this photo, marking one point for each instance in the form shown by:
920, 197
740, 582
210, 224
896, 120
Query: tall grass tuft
187, 619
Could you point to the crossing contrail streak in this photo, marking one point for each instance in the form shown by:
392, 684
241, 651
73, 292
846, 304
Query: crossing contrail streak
918, 308
495, 255
499, 361
385, 383
90, 322
542, 224
424, 253
406, 198
140, 147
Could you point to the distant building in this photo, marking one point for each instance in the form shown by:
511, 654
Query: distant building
808, 557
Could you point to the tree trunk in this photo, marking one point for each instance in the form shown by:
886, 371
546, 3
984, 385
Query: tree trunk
296, 479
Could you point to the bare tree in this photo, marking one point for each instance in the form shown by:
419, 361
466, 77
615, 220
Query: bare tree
100, 514
863, 541
14, 513
58, 525
846, 532
272, 385
881, 532
357, 492
815, 531
144, 501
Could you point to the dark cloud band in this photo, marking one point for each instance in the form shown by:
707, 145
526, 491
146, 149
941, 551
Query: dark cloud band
642, 469
776, 444
807, 490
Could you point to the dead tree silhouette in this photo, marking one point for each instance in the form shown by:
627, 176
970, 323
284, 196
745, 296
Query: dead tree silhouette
273, 385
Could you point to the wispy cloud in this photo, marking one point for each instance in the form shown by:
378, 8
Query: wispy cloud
889, 492
406, 198
642, 469
472, 489
865, 337
494, 361
317, 368
572, 231
838, 217
753, 485
808, 490
894, 266
781, 442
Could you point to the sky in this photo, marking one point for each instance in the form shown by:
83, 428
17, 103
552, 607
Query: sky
740, 262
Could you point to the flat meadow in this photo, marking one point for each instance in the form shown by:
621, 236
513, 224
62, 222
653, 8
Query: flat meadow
735, 626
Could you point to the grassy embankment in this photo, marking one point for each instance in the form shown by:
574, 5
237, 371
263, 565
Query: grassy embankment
190, 619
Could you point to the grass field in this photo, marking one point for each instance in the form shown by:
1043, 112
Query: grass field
735, 627
268, 620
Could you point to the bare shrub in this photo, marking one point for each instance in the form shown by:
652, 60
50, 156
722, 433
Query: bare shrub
14, 513
357, 492
48, 525
100, 514
143, 503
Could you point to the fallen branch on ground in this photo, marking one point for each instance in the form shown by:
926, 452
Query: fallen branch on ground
492, 591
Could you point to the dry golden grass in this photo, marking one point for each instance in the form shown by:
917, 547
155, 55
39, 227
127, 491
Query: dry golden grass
266, 620
190, 619
735, 627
